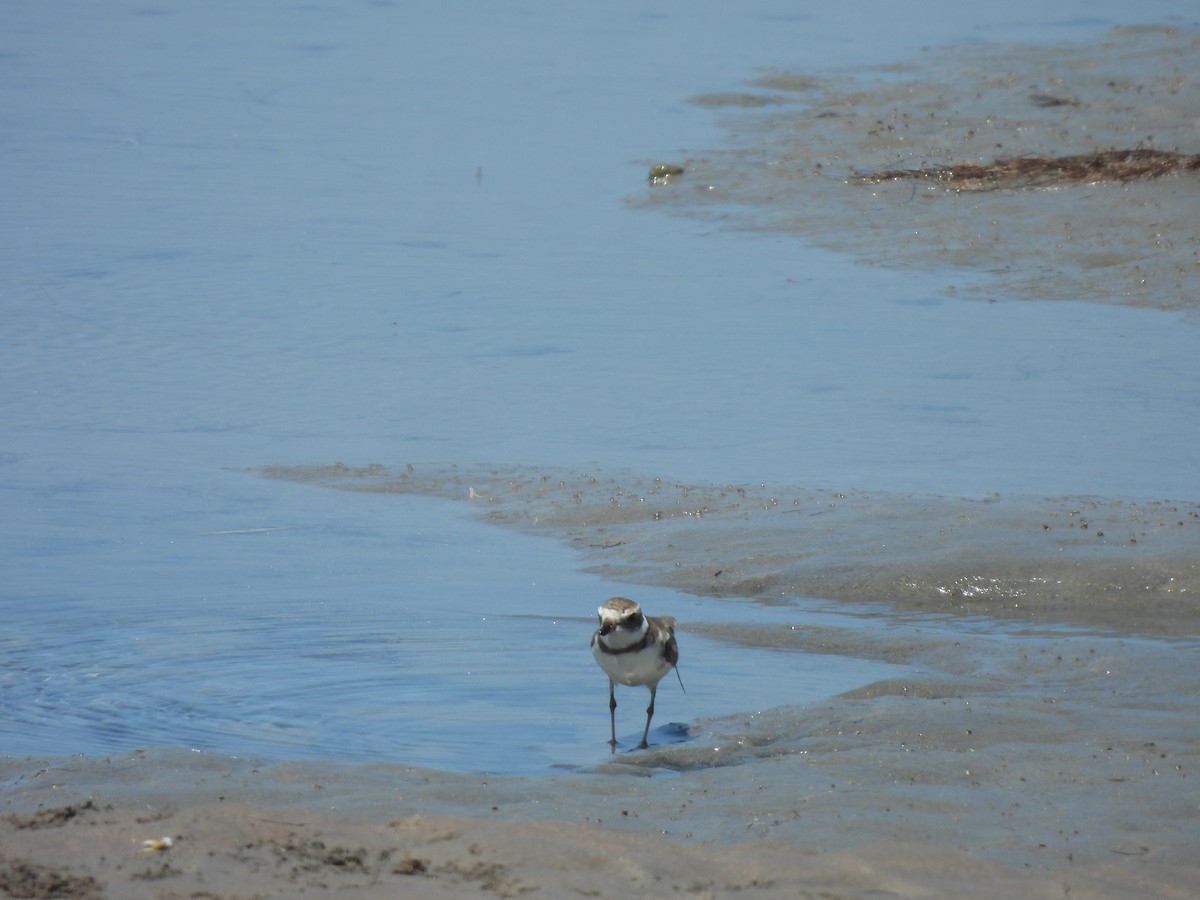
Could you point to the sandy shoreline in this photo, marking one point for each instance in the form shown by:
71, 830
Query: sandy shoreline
237, 849
1067, 773
252, 851
799, 143
1030, 759
1129, 564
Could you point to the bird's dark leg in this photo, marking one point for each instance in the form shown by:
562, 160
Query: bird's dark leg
649, 713
612, 715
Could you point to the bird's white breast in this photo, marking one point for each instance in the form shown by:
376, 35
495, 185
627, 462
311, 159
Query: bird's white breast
645, 666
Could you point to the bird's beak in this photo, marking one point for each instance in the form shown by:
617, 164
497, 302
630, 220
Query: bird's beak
605, 628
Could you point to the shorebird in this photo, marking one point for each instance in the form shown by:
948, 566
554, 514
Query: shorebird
633, 649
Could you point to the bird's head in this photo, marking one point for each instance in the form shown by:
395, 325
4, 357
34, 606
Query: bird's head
620, 614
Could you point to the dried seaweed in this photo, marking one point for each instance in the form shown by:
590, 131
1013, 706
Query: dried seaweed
52, 818
1103, 166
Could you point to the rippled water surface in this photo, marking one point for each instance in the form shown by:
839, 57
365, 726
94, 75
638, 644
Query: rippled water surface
352, 627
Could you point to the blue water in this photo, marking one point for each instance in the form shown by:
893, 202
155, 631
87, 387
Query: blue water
236, 234
291, 622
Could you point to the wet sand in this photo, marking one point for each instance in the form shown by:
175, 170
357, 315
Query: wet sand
800, 144
232, 839
1130, 564
1023, 757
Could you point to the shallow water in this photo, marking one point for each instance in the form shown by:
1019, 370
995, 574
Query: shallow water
244, 235
297, 624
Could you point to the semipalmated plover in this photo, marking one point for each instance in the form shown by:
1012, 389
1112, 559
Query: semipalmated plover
633, 649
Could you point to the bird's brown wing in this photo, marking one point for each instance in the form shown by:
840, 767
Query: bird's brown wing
667, 624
